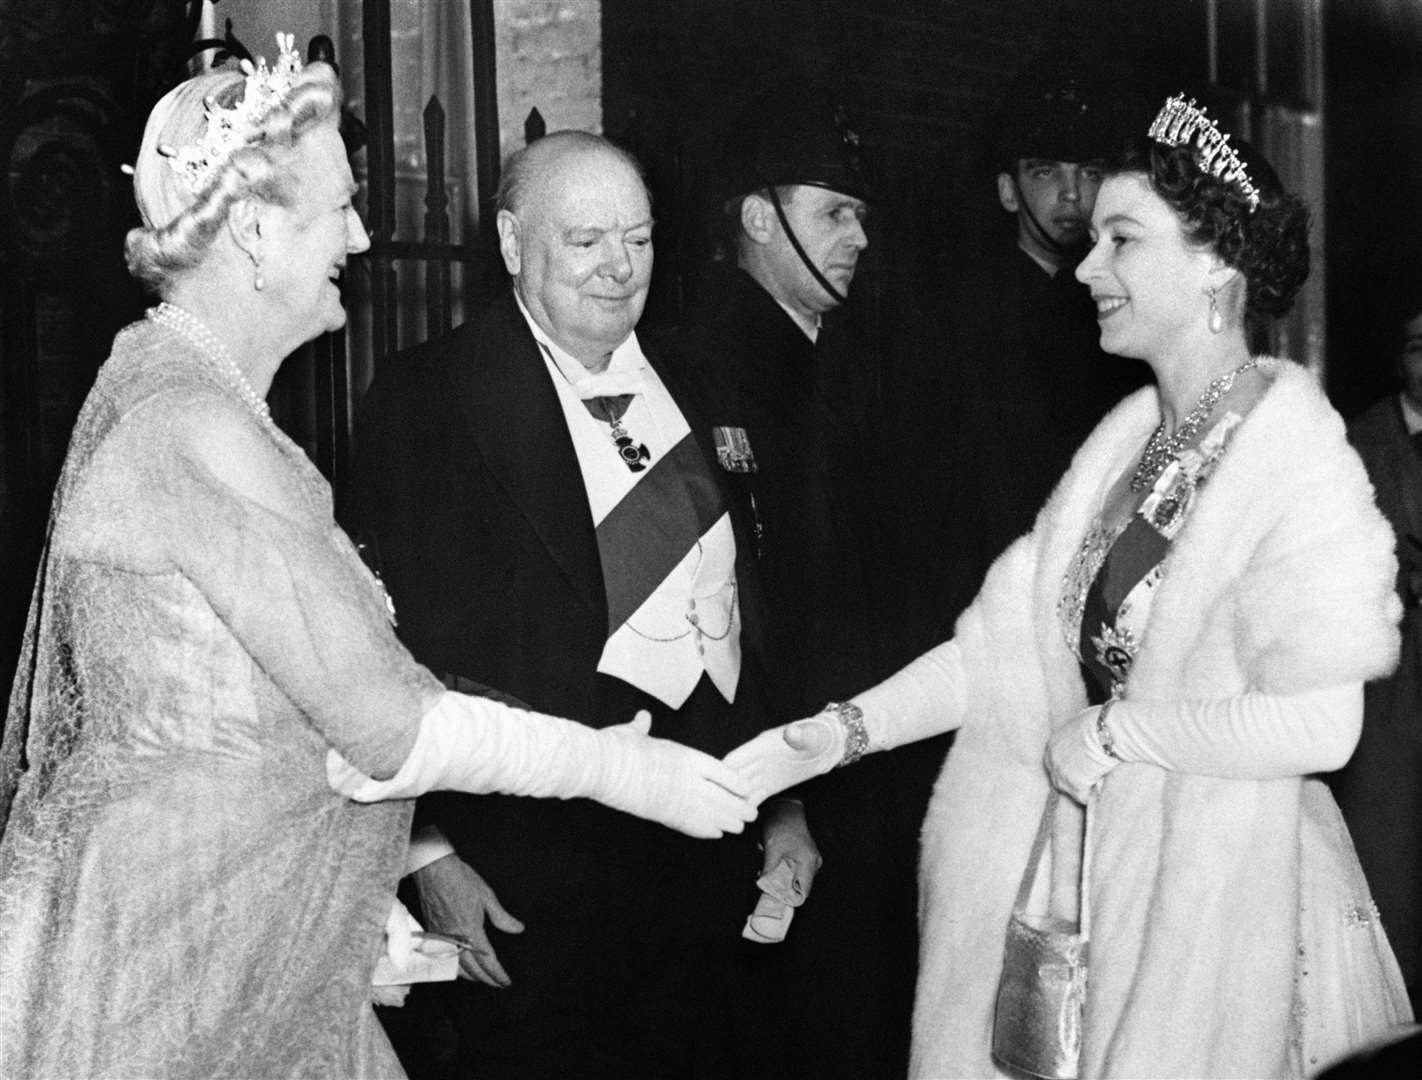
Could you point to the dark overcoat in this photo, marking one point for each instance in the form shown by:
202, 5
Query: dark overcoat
1380, 789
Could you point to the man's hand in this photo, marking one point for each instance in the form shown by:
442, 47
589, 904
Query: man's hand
399, 947
786, 837
456, 900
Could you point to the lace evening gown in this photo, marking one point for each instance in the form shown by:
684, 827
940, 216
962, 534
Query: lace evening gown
181, 894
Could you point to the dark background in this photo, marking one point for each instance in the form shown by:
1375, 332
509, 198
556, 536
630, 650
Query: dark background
926, 75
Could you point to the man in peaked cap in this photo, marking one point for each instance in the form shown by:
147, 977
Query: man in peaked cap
1025, 364
776, 374
1051, 142
796, 195
789, 389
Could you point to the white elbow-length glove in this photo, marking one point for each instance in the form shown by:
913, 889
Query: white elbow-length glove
1252, 736
480, 746
923, 699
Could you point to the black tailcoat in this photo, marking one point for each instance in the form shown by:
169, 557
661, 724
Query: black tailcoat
471, 502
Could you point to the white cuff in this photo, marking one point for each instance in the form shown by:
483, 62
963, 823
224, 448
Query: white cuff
427, 845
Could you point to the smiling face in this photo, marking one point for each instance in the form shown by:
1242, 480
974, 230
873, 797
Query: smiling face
1148, 284
579, 247
1053, 202
306, 244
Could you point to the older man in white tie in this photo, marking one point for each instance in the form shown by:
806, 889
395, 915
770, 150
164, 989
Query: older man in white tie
548, 522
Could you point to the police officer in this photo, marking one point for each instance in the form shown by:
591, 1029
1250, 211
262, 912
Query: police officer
789, 389
779, 380
1027, 375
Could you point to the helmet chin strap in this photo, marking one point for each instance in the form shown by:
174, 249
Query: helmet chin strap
1050, 242
835, 294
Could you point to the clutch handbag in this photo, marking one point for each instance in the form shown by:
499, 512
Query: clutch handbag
1037, 1024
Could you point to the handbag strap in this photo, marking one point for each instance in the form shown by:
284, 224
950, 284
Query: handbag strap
1044, 831
1039, 845
1082, 906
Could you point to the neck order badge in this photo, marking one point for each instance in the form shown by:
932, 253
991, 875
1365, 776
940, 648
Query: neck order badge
634, 454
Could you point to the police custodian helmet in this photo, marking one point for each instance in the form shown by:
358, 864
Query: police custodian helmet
1055, 110
793, 133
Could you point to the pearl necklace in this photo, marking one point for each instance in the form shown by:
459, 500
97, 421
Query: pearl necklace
187, 325
1161, 450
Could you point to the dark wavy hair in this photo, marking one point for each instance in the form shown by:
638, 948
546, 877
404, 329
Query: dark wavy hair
1267, 245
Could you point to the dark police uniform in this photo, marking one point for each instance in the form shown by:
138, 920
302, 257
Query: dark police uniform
1031, 383
794, 423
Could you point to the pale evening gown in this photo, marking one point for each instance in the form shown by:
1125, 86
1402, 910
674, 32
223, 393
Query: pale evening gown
181, 893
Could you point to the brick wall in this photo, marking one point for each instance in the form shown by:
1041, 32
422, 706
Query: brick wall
549, 58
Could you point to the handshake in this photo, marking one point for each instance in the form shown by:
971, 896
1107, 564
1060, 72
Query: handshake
686, 790
479, 746
784, 756
732, 789
693, 793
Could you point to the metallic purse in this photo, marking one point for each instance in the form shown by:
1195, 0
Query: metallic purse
1037, 1023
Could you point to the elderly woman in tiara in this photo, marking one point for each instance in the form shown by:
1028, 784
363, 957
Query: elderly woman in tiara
214, 739
1180, 645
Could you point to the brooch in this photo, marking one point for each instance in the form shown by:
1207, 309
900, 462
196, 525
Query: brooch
1115, 651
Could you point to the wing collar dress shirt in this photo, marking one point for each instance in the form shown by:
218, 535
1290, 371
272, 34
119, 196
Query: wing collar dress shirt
691, 621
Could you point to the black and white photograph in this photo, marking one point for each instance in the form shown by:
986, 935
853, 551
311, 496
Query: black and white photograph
710, 539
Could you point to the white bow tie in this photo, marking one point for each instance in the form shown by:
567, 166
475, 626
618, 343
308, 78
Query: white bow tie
609, 383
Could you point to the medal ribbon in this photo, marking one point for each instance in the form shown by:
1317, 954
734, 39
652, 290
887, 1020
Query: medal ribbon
645, 536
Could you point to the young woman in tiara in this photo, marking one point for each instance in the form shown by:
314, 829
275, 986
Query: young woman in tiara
1182, 638
209, 677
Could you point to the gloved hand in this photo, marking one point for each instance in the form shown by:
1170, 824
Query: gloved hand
782, 757
480, 746
1075, 759
1250, 736
665, 781
925, 698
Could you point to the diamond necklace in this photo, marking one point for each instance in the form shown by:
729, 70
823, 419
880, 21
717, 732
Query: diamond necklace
1161, 450
187, 325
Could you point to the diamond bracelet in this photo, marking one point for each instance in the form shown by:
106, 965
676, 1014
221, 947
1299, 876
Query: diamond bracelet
1103, 733
856, 738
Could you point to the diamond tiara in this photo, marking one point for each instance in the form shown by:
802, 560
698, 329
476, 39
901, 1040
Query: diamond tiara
1180, 123
229, 129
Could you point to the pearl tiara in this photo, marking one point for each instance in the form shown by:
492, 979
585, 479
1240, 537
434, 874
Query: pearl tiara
229, 129
1180, 123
